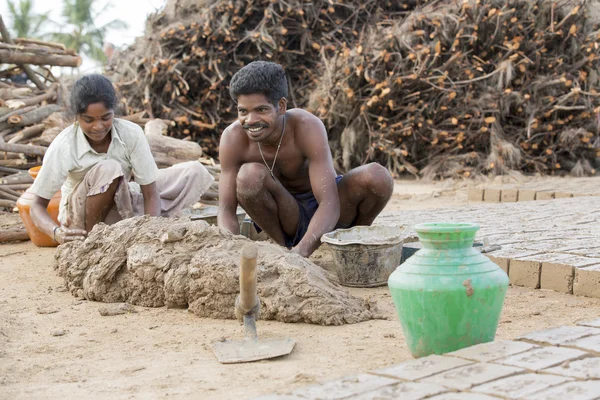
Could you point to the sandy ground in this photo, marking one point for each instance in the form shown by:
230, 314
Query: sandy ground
55, 346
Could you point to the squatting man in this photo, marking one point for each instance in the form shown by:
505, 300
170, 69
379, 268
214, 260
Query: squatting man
276, 163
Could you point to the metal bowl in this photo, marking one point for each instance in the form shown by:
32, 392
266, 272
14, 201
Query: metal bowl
209, 214
365, 256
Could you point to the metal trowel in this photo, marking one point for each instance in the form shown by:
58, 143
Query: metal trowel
247, 308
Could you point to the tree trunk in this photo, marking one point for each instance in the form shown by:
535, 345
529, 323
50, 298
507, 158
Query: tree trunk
23, 148
14, 93
28, 133
33, 117
30, 101
13, 234
7, 203
166, 150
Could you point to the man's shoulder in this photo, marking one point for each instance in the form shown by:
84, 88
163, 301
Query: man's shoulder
306, 126
301, 115
233, 134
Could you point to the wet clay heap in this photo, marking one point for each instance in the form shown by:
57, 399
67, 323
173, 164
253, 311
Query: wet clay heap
179, 263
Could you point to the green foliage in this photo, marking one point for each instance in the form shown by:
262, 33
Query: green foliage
84, 36
26, 23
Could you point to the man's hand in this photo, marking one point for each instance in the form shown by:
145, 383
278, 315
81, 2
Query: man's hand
64, 235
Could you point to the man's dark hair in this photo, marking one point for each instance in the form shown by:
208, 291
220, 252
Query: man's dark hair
262, 77
91, 89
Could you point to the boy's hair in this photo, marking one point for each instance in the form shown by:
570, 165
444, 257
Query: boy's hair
91, 89
263, 77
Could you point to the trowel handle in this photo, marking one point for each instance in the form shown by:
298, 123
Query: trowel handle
248, 294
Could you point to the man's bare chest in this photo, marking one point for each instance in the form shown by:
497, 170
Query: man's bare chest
288, 163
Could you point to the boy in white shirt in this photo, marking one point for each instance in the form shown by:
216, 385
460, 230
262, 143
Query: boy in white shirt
92, 163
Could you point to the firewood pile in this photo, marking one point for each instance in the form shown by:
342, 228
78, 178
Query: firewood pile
437, 89
30, 115
458, 89
181, 70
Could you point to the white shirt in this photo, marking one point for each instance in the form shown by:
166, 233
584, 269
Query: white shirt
70, 157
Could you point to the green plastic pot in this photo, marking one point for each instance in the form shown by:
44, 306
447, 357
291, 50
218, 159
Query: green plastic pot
448, 295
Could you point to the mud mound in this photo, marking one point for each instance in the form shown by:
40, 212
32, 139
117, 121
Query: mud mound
178, 263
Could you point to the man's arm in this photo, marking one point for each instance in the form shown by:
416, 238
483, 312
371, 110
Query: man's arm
151, 199
312, 141
230, 165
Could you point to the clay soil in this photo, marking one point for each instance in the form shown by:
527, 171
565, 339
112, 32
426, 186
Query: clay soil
56, 346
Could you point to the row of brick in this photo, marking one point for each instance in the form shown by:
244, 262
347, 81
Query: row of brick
561, 272
511, 195
551, 245
559, 363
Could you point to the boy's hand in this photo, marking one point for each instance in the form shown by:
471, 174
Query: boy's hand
64, 235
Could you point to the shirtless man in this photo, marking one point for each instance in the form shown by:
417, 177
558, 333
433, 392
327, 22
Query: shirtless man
276, 163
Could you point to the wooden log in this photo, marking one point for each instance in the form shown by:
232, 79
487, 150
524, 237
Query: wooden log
16, 112
10, 170
12, 156
34, 116
6, 195
30, 101
13, 234
6, 133
10, 191
30, 73
21, 164
47, 137
14, 93
46, 44
167, 150
20, 178
16, 186
27, 133
15, 119
135, 118
7, 203
210, 196
23, 148
24, 57
36, 49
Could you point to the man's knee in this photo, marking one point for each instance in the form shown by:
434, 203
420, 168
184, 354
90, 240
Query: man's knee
251, 180
379, 180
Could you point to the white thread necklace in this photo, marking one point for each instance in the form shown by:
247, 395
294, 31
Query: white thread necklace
276, 152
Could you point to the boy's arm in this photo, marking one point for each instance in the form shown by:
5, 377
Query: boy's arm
151, 199
312, 140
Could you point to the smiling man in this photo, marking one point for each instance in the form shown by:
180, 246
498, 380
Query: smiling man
276, 163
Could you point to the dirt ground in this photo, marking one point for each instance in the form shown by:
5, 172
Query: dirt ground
55, 346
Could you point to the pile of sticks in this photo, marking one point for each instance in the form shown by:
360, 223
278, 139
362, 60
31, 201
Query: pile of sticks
181, 69
439, 89
462, 88
30, 116
12, 185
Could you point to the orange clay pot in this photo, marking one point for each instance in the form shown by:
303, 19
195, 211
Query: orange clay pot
24, 203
